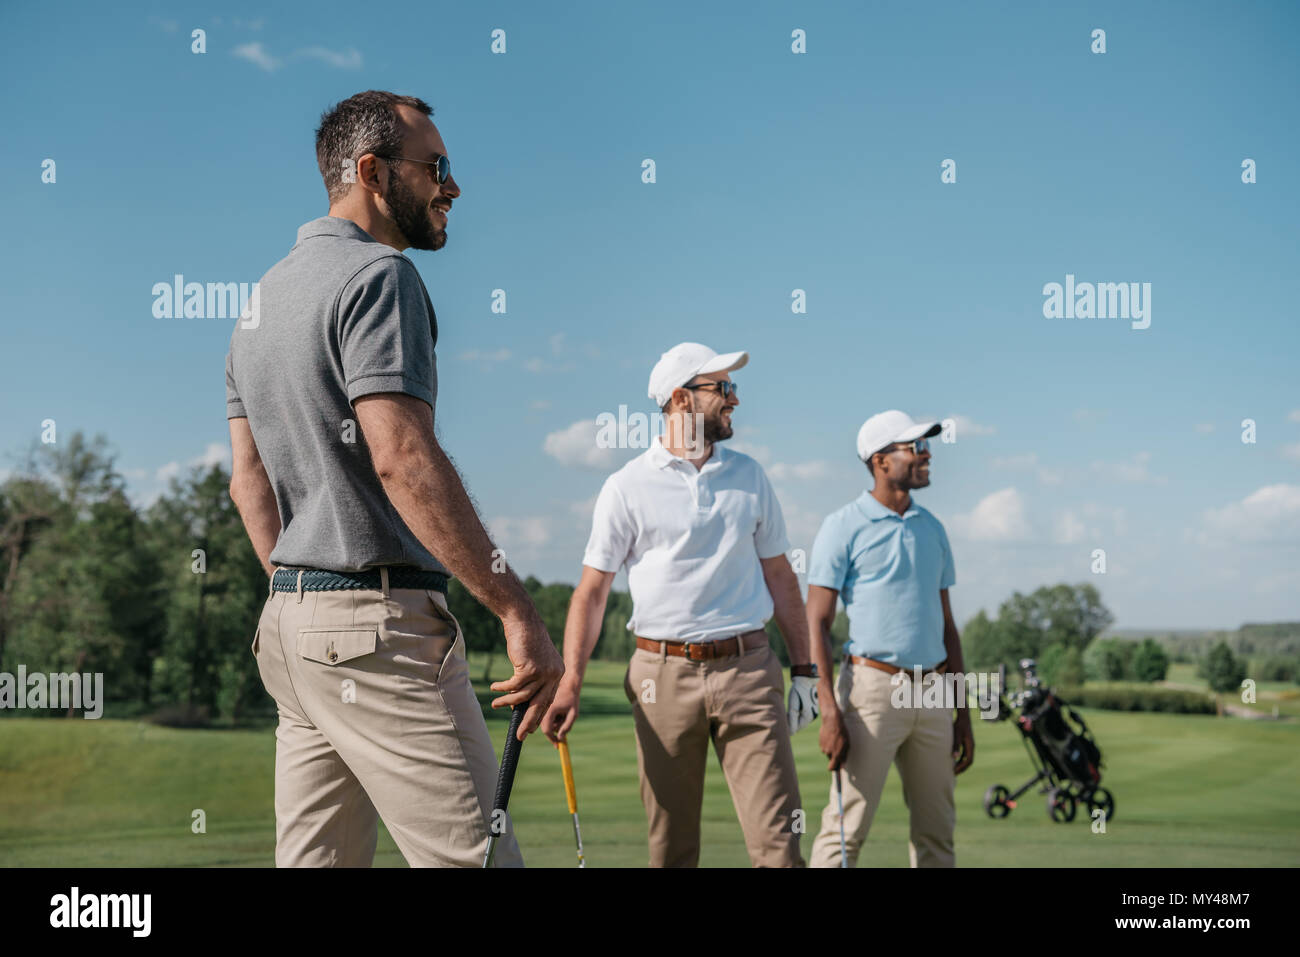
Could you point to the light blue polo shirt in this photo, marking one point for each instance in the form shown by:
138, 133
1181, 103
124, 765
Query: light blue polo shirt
888, 569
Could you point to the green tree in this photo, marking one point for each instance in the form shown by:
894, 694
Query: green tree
1108, 659
79, 598
1223, 670
213, 590
1150, 663
1061, 665
482, 629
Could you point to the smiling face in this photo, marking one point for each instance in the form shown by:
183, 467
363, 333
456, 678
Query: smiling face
902, 468
709, 403
417, 203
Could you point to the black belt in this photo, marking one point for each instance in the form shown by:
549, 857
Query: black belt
399, 576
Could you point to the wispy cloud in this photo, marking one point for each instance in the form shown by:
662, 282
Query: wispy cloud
474, 355
351, 60
257, 54
1136, 471
967, 426
1028, 462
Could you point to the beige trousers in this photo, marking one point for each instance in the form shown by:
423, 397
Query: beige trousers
377, 719
678, 707
919, 741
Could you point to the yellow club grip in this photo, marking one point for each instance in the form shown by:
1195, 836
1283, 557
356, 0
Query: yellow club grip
570, 792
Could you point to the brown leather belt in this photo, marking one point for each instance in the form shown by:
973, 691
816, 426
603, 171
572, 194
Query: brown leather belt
894, 669
706, 650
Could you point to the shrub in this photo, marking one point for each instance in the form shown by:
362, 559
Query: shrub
1165, 700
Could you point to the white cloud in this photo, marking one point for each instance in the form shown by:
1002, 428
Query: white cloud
1028, 461
968, 426
1205, 427
999, 517
257, 54
801, 471
1269, 514
260, 56
520, 532
584, 509
351, 60
540, 405
575, 446
1136, 471
1069, 529
215, 453
474, 355
1291, 451
1293, 415
539, 365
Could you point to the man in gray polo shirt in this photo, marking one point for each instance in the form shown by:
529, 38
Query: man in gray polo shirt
347, 498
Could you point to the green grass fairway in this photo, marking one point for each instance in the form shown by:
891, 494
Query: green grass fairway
1190, 791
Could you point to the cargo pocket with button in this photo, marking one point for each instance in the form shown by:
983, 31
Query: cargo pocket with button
334, 646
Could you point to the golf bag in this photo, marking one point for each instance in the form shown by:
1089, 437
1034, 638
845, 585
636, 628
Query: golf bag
1067, 760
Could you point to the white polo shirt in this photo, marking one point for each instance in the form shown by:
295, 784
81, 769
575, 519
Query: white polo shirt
691, 539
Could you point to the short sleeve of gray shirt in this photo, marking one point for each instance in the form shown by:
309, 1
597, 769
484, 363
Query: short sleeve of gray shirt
385, 332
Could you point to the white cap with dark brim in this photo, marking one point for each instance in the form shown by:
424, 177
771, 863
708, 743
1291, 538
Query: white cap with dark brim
885, 428
683, 362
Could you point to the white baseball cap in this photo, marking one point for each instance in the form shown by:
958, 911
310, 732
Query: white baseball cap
683, 362
886, 428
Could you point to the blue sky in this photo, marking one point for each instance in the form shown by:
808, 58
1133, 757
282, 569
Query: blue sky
775, 171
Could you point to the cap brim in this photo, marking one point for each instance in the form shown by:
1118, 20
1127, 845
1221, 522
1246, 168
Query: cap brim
923, 430
724, 363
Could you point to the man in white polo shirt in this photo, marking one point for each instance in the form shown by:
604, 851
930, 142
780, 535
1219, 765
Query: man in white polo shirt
890, 560
704, 542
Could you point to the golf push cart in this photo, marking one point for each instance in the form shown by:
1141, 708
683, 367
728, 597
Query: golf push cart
1068, 762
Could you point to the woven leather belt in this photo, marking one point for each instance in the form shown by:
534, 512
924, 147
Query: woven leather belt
894, 669
399, 576
706, 650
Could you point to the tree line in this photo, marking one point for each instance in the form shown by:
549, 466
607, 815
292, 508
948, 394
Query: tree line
164, 600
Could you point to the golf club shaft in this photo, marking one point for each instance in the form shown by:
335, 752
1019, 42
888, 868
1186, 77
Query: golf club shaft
839, 793
571, 795
505, 781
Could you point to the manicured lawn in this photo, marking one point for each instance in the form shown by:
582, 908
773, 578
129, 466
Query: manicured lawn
1189, 791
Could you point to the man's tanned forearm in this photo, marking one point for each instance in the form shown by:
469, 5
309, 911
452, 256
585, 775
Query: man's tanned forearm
255, 501
450, 529
581, 632
788, 607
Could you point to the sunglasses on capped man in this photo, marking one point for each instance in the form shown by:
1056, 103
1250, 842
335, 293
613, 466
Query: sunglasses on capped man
724, 389
442, 164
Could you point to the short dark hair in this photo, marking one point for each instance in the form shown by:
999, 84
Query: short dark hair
364, 123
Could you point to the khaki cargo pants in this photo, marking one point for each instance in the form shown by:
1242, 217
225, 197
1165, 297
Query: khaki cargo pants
678, 707
377, 719
919, 741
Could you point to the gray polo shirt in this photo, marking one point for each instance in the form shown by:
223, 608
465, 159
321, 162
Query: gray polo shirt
341, 316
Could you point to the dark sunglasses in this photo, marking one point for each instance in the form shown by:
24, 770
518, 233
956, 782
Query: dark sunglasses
442, 164
724, 389
918, 447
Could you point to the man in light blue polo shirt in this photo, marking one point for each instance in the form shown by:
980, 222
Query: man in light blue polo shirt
890, 560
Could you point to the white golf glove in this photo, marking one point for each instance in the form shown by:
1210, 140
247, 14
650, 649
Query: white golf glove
801, 707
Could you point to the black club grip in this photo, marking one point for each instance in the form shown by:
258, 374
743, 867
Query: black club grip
509, 759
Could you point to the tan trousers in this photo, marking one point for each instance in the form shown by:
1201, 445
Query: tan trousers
377, 719
678, 706
919, 741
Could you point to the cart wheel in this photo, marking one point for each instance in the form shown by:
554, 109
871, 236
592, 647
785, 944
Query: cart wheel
1101, 798
997, 801
1061, 806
